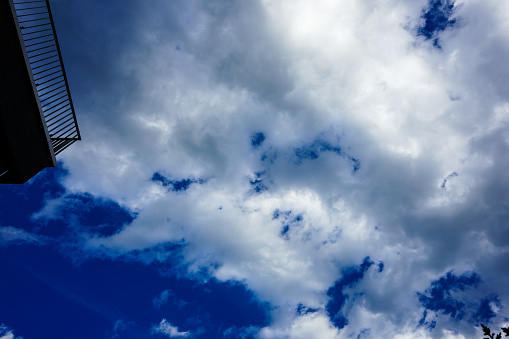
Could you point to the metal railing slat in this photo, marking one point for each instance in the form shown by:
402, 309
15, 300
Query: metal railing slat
53, 92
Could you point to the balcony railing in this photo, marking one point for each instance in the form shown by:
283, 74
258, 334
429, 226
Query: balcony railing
45, 59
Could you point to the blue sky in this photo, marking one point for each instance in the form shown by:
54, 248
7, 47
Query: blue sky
270, 169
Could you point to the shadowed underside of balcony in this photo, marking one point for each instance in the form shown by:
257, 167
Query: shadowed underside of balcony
37, 119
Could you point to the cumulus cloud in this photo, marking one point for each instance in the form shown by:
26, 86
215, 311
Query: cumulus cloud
283, 142
308, 326
168, 329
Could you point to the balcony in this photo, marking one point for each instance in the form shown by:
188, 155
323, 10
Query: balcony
37, 117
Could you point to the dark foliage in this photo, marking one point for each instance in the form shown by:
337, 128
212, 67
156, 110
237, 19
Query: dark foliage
488, 335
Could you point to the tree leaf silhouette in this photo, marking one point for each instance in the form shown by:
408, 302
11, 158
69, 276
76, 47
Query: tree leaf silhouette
486, 330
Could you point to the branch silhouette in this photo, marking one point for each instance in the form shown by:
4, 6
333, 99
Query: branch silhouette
488, 335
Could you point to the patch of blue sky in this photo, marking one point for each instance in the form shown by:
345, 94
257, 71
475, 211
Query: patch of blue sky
257, 139
333, 236
302, 309
86, 301
277, 213
452, 175
436, 17
453, 96
438, 297
90, 297
246, 332
356, 164
258, 183
23, 204
364, 333
269, 156
92, 215
175, 185
350, 277
308, 151
484, 312
284, 232
443, 297
168, 254
428, 324
288, 222
168, 296
313, 151
19, 202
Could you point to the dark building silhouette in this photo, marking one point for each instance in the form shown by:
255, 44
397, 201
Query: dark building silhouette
37, 118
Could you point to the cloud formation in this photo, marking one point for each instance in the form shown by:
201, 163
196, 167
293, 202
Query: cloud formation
13, 235
281, 143
7, 333
169, 330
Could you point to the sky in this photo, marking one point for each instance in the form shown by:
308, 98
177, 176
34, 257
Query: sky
270, 169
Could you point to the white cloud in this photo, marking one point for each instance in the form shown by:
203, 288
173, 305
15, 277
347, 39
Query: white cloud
309, 326
168, 329
51, 210
350, 74
7, 333
13, 235
162, 298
